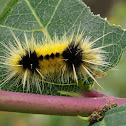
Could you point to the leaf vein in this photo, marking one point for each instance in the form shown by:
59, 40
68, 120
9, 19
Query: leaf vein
44, 30
53, 13
76, 20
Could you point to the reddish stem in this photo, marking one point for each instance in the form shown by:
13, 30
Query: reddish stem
56, 105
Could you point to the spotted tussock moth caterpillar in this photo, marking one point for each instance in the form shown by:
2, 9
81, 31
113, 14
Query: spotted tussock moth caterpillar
67, 58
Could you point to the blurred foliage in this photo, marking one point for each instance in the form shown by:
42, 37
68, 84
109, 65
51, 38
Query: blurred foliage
101, 6
21, 119
117, 15
114, 84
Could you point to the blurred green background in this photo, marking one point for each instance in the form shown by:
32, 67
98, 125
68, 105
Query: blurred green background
114, 83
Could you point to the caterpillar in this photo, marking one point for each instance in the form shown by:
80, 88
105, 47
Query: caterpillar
61, 59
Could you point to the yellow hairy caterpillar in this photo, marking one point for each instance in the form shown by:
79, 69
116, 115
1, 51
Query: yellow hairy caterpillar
64, 59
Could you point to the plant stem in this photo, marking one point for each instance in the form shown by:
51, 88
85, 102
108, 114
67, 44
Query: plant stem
54, 105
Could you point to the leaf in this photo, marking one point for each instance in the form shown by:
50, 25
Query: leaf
114, 117
5, 8
47, 17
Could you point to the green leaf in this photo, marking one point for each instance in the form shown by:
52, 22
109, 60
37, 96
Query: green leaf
47, 17
114, 117
5, 7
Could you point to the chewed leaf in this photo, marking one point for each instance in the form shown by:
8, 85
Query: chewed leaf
47, 19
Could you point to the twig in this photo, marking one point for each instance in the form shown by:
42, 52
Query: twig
54, 105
